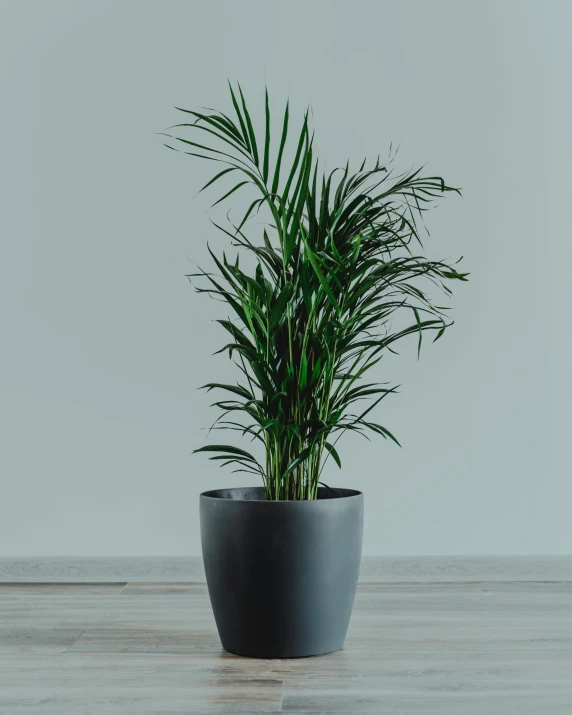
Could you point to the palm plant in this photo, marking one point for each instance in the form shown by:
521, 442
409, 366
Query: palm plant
333, 264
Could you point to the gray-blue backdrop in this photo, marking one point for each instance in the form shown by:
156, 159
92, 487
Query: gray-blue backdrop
104, 342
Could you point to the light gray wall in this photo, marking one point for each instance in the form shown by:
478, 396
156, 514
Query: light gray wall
104, 342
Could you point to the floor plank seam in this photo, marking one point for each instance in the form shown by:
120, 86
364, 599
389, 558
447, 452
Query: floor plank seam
75, 641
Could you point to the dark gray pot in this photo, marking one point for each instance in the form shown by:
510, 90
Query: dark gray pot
281, 575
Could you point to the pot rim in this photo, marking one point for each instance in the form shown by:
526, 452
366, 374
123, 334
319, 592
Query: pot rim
212, 494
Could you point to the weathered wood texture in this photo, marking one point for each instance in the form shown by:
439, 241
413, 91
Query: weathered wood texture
378, 569
458, 648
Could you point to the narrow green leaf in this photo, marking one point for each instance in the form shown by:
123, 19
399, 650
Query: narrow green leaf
323, 280
228, 193
276, 178
303, 140
249, 127
217, 177
279, 308
266, 140
416, 313
243, 128
332, 450
224, 448
303, 456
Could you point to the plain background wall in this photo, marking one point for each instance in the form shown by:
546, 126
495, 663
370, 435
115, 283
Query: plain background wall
104, 342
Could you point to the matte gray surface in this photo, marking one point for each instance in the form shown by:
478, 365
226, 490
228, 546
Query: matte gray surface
104, 343
420, 649
281, 575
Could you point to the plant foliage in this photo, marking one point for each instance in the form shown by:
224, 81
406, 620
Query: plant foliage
336, 261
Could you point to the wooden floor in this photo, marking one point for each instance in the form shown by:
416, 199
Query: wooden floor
447, 648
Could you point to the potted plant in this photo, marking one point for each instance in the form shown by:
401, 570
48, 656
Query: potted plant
311, 304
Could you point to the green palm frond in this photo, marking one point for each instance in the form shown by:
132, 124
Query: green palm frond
340, 256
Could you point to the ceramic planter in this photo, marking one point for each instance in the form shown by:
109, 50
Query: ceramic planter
281, 575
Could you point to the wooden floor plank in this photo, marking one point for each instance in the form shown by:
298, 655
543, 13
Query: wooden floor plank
26, 588
15, 640
421, 649
180, 694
